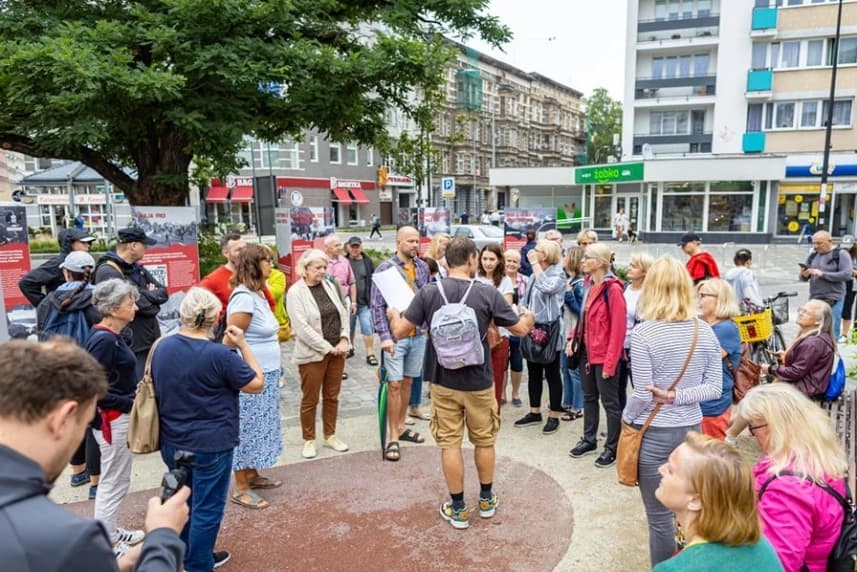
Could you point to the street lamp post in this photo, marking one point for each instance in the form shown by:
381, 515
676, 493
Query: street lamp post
828, 131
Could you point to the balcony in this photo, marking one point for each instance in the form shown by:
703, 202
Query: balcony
764, 19
678, 39
660, 24
753, 142
700, 138
705, 81
760, 80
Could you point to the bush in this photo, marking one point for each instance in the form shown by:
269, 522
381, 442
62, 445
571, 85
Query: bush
209, 253
378, 255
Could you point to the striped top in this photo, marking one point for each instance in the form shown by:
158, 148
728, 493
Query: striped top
658, 351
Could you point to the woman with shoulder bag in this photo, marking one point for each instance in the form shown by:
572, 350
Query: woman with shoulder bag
572, 393
516, 360
671, 378
601, 335
491, 272
544, 298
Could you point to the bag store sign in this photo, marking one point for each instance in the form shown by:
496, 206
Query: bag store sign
603, 174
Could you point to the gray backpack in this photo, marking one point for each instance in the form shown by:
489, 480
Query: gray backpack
455, 333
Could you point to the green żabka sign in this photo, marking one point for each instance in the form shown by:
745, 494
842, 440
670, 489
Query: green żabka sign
615, 173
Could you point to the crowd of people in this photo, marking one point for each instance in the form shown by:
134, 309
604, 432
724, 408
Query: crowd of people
476, 318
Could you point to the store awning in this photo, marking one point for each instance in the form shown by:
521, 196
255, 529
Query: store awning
217, 194
359, 196
242, 194
342, 195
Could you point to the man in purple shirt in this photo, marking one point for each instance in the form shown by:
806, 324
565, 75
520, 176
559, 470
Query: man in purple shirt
404, 359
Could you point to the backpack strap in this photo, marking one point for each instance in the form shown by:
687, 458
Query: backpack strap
442, 293
115, 267
466, 292
846, 502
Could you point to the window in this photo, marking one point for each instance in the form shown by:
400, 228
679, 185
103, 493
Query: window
754, 117
657, 68
703, 8
660, 10
730, 206
674, 9
370, 156
775, 55
682, 206
814, 52
313, 149
791, 54
270, 155
671, 66
246, 154
809, 114
700, 65
459, 163
760, 56
335, 153
684, 66
848, 51
351, 154
669, 123
841, 113
784, 115
292, 156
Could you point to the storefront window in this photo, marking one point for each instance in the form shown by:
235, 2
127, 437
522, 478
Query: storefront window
797, 207
653, 201
730, 206
682, 207
602, 215
763, 204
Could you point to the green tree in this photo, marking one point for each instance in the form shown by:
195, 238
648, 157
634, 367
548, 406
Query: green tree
150, 86
604, 118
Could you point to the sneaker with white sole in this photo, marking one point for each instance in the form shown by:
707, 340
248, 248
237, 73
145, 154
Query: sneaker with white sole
221, 557
309, 450
487, 507
459, 519
120, 549
130, 537
333, 443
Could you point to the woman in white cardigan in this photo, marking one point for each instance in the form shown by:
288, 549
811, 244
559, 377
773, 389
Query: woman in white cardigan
320, 326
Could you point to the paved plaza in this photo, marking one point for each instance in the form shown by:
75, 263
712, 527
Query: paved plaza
353, 511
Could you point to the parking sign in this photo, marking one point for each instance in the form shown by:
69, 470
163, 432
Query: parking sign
447, 187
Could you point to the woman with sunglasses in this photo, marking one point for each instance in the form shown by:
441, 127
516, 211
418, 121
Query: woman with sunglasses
802, 461
808, 360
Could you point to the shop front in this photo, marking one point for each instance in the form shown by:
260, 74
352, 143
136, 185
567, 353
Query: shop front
607, 189
801, 208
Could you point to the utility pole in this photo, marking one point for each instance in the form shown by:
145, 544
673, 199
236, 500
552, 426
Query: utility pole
828, 131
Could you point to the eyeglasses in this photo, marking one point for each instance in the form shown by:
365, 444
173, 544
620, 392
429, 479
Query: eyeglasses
754, 428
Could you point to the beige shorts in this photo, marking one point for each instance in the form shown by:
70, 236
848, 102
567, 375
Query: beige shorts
452, 410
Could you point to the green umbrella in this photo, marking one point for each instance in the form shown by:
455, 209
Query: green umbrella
383, 384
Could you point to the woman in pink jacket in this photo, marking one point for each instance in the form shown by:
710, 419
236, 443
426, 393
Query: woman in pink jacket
797, 474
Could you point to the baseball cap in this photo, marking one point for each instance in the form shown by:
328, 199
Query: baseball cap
689, 237
78, 260
75, 234
135, 234
354, 240
847, 240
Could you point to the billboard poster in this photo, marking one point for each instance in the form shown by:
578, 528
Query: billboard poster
431, 221
174, 260
307, 228
283, 232
14, 263
519, 221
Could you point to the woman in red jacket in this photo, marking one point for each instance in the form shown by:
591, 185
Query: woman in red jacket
601, 335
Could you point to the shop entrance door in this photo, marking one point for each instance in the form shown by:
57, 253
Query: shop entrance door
842, 221
631, 204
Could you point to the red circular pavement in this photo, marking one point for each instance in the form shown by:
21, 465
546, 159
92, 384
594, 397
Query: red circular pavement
355, 512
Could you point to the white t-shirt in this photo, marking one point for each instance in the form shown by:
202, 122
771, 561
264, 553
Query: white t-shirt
506, 287
632, 298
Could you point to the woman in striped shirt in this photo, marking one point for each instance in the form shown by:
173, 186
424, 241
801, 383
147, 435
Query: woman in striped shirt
659, 347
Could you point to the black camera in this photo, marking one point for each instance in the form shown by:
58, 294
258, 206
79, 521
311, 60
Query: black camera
178, 477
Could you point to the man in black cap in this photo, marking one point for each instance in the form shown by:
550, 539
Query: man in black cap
701, 265
124, 263
41, 281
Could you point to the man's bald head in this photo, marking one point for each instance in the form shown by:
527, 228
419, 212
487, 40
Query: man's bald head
822, 242
407, 243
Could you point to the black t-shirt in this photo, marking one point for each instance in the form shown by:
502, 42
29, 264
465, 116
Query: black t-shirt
488, 304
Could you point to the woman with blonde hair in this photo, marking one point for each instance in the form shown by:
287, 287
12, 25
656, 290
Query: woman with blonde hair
321, 344
586, 237
599, 334
659, 351
544, 298
809, 359
572, 393
717, 307
437, 251
709, 488
638, 266
512, 266
197, 385
800, 479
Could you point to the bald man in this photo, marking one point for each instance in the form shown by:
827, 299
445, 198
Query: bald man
404, 356
827, 269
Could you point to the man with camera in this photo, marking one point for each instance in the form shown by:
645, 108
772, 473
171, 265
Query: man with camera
47, 398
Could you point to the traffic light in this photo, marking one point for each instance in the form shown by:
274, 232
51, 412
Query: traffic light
382, 176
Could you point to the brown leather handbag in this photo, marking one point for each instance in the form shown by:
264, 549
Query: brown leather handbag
628, 448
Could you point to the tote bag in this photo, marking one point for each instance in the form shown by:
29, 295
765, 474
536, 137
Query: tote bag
144, 421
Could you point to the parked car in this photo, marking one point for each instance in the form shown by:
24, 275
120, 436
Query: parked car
481, 234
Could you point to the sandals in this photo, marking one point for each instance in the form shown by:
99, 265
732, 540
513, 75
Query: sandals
372, 360
412, 437
249, 499
264, 483
420, 415
391, 452
571, 415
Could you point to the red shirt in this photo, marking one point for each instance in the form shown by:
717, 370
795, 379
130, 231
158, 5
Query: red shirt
218, 284
702, 266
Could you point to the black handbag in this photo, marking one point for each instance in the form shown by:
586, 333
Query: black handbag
540, 345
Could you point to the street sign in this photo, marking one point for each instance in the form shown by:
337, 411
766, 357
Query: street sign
447, 187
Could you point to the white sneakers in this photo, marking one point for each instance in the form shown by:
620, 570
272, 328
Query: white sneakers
333, 443
130, 537
309, 450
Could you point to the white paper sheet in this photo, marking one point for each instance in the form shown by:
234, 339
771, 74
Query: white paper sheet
394, 289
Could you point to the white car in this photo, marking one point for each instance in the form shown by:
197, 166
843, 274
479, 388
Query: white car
481, 234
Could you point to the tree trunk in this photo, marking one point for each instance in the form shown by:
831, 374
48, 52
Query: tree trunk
162, 171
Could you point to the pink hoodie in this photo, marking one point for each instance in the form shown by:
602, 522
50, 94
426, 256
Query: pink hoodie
801, 520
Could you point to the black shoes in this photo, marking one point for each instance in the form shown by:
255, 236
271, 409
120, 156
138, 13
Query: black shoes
529, 419
551, 426
221, 557
607, 459
583, 448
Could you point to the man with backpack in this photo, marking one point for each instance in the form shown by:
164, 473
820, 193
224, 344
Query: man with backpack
404, 360
460, 310
124, 263
41, 281
701, 265
827, 269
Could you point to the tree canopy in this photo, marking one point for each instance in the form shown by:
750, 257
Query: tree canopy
604, 118
153, 85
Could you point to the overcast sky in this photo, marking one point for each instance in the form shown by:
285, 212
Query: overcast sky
580, 43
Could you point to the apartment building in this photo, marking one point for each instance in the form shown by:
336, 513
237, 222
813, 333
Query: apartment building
725, 107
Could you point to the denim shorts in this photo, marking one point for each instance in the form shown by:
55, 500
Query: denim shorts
364, 314
516, 359
408, 360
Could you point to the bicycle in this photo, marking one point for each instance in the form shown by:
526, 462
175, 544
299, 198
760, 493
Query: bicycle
763, 351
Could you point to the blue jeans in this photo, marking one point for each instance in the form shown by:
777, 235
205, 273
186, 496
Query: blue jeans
416, 391
363, 314
209, 484
572, 393
837, 322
